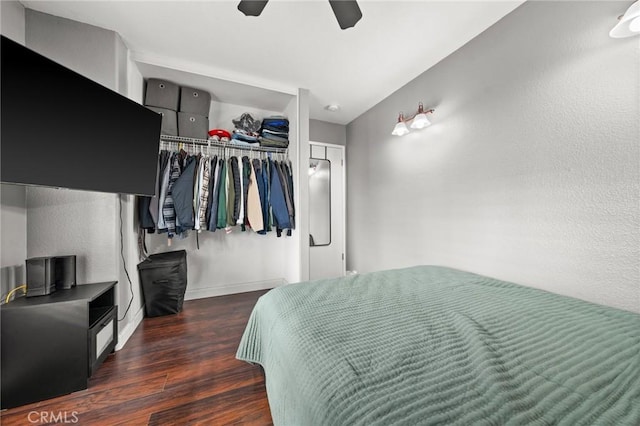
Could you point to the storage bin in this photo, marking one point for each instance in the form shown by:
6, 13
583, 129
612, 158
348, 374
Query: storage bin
164, 281
162, 94
195, 101
192, 125
169, 121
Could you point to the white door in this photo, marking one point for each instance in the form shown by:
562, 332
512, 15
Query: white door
326, 211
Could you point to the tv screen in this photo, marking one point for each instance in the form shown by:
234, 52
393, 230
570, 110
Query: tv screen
61, 129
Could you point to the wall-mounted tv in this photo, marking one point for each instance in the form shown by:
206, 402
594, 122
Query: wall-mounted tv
61, 129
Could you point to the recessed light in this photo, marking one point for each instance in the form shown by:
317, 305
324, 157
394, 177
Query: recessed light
332, 107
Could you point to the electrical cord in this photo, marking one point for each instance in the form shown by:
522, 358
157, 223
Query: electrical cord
124, 263
23, 287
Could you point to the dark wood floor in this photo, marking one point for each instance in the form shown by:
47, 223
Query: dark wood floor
178, 369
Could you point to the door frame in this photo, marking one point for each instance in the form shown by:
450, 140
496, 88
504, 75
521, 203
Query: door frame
343, 214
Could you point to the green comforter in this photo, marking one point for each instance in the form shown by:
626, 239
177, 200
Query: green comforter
433, 345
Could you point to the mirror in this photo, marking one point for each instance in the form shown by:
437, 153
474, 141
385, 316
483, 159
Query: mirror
319, 202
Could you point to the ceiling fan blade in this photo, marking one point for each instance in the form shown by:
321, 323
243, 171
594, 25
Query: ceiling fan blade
347, 12
252, 7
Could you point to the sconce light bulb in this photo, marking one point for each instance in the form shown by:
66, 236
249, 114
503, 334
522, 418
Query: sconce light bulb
420, 121
400, 129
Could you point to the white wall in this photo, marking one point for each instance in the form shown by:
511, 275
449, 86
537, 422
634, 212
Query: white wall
13, 211
12, 20
530, 172
323, 131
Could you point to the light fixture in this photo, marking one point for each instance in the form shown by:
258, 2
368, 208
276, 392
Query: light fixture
418, 120
332, 107
629, 23
401, 128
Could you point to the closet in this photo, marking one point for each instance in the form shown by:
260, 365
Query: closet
223, 262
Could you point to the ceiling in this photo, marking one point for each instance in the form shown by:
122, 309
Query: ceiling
297, 44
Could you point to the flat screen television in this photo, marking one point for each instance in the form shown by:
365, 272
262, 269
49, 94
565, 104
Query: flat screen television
61, 129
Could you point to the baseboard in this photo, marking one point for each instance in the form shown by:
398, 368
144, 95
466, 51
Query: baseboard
201, 293
127, 332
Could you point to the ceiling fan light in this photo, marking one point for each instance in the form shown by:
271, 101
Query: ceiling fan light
628, 25
420, 121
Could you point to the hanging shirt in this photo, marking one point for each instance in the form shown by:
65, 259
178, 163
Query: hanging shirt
240, 219
213, 200
154, 205
266, 206
287, 192
197, 193
254, 207
289, 180
183, 196
223, 191
168, 209
246, 167
161, 226
231, 195
204, 193
278, 202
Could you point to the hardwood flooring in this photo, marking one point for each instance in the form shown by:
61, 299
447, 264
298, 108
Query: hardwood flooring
174, 370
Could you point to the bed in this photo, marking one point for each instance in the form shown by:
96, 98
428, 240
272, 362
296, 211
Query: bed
434, 345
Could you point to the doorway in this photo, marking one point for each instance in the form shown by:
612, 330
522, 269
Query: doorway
326, 211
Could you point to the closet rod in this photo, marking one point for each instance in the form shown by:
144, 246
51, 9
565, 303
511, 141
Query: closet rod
205, 142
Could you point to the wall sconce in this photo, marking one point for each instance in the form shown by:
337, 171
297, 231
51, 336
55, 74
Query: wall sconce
418, 120
629, 23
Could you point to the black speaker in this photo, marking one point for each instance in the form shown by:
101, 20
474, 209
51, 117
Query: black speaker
41, 276
65, 272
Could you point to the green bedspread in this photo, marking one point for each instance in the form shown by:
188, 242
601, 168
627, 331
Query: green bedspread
433, 345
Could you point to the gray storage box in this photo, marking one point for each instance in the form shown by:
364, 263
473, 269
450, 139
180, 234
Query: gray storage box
169, 121
195, 101
192, 125
162, 94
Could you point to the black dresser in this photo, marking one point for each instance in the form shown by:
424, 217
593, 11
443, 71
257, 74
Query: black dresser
52, 344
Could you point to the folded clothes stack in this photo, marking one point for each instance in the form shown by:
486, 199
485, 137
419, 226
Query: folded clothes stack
246, 131
275, 132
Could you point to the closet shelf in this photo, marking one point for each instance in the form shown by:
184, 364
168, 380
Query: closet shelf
207, 142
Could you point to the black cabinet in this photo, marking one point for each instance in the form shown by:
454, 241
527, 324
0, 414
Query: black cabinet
52, 344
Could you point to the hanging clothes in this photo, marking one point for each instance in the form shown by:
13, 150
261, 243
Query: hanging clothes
223, 195
197, 192
284, 181
289, 180
213, 214
207, 187
154, 204
246, 172
144, 214
266, 176
183, 196
161, 226
254, 207
237, 190
277, 201
168, 208
231, 193
240, 219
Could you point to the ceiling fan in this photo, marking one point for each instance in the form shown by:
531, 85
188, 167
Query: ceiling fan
347, 12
